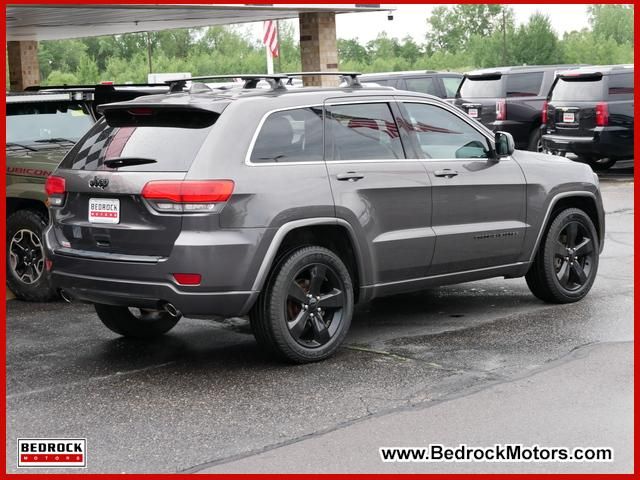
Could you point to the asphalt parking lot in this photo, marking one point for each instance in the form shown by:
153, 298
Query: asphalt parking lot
479, 363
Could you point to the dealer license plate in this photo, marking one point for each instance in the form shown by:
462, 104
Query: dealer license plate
104, 210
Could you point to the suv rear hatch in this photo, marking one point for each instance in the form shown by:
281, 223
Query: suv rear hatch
576, 104
478, 96
104, 211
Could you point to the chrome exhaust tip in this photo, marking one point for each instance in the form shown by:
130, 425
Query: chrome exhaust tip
65, 296
172, 310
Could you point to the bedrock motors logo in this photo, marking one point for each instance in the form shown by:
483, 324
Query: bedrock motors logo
52, 452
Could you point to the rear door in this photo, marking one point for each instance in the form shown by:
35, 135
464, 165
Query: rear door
572, 105
379, 186
104, 211
478, 94
478, 202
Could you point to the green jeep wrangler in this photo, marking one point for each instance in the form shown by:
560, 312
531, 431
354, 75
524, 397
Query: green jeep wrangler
41, 128
43, 124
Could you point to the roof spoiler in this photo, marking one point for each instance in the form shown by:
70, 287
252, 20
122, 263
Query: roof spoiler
484, 76
578, 75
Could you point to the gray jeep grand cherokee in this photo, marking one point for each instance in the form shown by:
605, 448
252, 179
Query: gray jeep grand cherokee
293, 205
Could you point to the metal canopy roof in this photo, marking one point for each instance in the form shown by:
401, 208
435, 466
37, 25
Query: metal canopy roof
54, 22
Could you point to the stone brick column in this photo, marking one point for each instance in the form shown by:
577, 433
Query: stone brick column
319, 47
24, 70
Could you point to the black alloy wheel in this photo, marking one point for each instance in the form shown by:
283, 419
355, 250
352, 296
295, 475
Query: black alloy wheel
315, 305
566, 263
304, 311
573, 256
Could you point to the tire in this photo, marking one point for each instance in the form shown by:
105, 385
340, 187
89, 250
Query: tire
142, 324
27, 276
285, 319
553, 277
601, 164
535, 141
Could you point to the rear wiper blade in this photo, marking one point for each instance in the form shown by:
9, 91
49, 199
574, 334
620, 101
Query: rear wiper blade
20, 145
127, 162
56, 140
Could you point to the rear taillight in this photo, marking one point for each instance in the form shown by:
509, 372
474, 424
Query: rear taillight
501, 109
187, 196
55, 187
602, 114
545, 115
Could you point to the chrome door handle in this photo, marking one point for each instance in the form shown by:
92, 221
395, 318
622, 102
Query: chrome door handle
447, 172
349, 176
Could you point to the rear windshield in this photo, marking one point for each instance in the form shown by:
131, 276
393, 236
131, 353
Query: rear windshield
578, 89
168, 149
42, 122
489, 87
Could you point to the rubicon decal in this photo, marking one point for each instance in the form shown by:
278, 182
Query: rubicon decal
52, 452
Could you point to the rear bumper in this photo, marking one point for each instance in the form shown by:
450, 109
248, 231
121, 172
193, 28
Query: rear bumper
603, 144
120, 292
226, 260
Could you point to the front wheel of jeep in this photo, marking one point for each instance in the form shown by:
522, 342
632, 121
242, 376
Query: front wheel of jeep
304, 312
135, 322
566, 264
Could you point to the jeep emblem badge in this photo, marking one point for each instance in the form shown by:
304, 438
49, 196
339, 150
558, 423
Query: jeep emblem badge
97, 182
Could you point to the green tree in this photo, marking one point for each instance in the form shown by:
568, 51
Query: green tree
585, 47
88, 71
612, 21
57, 77
351, 51
452, 28
535, 43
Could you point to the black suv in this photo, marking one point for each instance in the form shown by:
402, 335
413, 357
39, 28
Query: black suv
509, 99
439, 84
590, 113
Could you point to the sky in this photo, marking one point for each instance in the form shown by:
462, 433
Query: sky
411, 20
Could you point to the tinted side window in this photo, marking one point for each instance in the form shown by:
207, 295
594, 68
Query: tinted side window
290, 136
524, 84
451, 85
364, 131
621, 86
443, 135
422, 85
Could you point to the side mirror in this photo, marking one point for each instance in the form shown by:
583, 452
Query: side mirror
504, 144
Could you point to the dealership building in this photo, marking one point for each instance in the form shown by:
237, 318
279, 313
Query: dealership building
28, 24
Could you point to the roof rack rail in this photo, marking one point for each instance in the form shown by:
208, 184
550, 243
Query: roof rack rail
250, 80
351, 78
37, 88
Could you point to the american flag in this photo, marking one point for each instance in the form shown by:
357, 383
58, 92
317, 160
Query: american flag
270, 38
